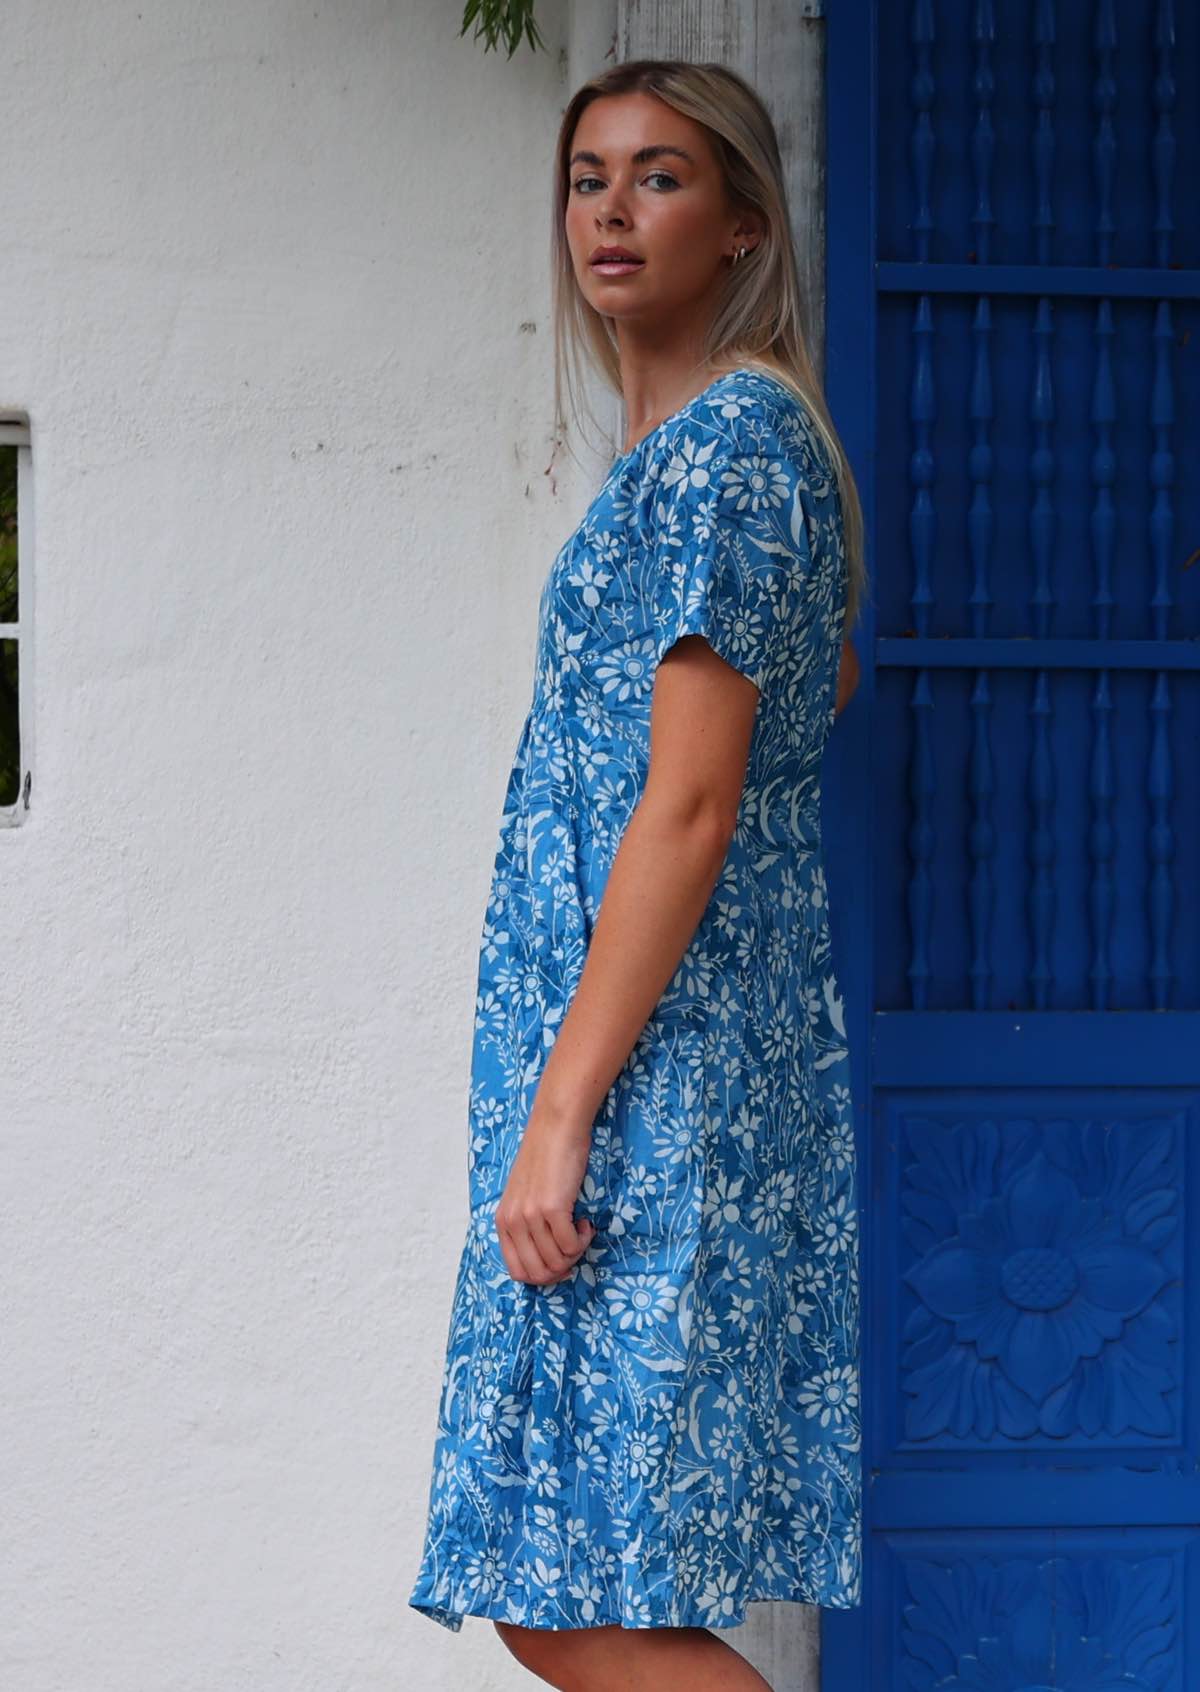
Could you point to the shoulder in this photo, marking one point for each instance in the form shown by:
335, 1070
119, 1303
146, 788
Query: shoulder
746, 430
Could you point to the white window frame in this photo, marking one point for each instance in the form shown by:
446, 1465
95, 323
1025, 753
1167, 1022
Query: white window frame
14, 431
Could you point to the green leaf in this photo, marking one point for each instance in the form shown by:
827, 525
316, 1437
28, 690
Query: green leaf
506, 20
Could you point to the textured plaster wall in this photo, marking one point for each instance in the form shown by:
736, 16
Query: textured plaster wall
275, 299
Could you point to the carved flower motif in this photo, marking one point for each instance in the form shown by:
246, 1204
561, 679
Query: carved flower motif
1038, 1278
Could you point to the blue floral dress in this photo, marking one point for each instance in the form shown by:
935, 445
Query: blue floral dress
672, 1431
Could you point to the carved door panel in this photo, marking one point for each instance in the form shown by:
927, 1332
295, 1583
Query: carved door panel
1013, 356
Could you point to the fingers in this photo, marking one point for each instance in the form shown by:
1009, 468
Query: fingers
542, 1250
520, 1258
568, 1239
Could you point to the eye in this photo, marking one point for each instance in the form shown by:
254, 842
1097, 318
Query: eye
665, 174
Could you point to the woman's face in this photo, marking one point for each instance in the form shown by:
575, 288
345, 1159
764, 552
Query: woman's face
668, 207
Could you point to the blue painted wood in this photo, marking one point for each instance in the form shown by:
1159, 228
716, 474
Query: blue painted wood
953, 1048
1012, 335
1011, 654
1065, 281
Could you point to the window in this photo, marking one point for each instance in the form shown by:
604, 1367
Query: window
16, 780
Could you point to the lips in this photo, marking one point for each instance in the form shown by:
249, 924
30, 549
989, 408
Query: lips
615, 255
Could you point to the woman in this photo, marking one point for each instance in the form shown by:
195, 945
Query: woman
649, 1411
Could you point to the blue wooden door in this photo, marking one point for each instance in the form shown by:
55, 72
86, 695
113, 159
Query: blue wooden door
1012, 812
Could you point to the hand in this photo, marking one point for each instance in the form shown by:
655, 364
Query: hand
849, 670
535, 1217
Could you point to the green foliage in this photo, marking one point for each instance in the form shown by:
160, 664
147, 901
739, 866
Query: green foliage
502, 19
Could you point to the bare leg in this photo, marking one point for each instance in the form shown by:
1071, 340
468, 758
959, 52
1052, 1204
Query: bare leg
627, 1659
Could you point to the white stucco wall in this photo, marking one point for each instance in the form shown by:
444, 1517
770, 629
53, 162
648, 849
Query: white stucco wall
275, 299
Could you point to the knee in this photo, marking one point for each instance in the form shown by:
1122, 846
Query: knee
543, 1651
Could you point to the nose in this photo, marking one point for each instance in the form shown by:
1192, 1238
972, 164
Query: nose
610, 211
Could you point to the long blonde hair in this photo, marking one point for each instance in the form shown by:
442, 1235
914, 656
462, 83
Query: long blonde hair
759, 320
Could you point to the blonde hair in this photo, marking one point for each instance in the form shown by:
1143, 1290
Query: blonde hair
758, 323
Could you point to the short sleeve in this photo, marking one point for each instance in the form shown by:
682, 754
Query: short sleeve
730, 549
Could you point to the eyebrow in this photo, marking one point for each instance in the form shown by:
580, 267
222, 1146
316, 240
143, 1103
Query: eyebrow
642, 156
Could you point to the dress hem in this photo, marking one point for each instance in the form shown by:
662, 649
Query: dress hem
503, 1609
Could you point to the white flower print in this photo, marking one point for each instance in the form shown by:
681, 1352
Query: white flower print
722, 1201
707, 1332
744, 1124
628, 672
608, 795
696, 974
608, 546
731, 1398
544, 1479
643, 1452
590, 580
773, 1205
688, 464
755, 483
740, 1263
675, 1142
727, 409
642, 1182
640, 1301
830, 1395
836, 1230
485, 1572
719, 1597
838, 1152
780, 1035
587, 1594
548, 750
589, 1378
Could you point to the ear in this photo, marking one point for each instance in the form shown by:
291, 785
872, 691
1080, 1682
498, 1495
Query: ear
750, 230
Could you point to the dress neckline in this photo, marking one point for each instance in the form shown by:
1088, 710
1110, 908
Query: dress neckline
740, 370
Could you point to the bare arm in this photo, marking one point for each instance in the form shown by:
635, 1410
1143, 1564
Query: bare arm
663, 874
702, 718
